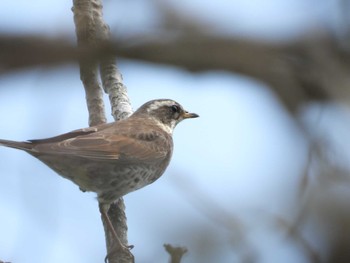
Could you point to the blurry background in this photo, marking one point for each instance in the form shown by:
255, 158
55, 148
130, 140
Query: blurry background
261, 176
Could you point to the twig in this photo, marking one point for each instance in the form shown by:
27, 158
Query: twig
176, 253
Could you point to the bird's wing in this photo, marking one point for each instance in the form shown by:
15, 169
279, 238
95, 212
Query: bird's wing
72, 134
100, 146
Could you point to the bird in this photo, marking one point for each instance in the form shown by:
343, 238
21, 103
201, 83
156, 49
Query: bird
113, 159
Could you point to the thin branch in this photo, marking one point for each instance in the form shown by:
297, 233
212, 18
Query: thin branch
114, 87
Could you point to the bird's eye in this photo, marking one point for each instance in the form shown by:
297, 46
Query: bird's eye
175, 109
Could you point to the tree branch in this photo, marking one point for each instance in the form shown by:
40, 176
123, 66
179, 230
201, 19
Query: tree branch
86, 33
91, 31
313, 68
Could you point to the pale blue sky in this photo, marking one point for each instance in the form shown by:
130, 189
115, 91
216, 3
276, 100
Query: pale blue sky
243, 152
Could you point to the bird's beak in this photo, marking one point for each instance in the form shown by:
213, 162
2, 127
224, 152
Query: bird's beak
188, 115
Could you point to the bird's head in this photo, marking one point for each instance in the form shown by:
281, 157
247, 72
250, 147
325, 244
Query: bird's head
167, 113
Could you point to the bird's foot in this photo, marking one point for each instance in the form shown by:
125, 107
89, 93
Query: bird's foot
118, 248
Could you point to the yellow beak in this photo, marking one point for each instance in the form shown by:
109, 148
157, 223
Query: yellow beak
188, 115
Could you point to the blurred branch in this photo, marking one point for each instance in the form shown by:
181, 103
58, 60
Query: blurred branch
293, 232
176, 253
233, 225
21, 52
91, 31
314, 68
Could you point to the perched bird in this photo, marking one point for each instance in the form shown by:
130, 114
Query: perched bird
116, 158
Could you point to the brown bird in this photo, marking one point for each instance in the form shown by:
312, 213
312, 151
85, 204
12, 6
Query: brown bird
116, 158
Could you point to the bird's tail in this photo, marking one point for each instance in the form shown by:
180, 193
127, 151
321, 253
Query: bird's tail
17, 145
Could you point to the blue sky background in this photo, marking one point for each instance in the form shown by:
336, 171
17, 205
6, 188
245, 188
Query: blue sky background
243, 154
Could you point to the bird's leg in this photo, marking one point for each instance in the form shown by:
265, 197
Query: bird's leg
104, 212
118, 245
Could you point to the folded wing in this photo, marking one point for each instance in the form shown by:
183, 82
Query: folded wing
107, 147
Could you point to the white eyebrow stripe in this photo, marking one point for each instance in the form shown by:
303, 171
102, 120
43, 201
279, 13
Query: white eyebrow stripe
157, 104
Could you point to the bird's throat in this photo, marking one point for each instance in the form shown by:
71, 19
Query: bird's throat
168, 128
